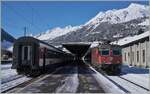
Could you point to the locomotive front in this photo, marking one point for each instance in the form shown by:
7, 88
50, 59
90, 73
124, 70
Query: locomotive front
107, 57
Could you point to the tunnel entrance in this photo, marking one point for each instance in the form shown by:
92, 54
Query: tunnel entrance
78, 49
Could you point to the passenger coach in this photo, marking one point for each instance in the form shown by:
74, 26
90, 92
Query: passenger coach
31, 56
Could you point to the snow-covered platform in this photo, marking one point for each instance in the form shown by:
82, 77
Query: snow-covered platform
132, 79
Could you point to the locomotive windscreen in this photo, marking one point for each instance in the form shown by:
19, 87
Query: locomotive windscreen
104, 51
116, 52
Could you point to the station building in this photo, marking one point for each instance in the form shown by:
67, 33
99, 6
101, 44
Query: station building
136, 50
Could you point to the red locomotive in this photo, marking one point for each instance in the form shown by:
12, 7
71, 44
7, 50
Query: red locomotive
107, 57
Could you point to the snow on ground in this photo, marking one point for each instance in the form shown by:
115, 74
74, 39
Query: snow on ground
5, 66
71, 83
131, 88
108, 86
136, 75
13, 83
7, 72
7, 76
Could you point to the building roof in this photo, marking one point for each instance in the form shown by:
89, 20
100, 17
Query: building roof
132, 39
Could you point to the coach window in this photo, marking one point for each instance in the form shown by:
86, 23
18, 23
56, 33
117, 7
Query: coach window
137, 56
143, 55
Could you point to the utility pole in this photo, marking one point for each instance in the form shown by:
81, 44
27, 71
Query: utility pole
25, 31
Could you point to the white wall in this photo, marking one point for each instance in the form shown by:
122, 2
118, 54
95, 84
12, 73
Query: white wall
133, 49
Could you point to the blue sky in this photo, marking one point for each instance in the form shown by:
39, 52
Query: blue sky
41, 16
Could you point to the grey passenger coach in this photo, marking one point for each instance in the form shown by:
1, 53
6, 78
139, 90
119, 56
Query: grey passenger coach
31, 56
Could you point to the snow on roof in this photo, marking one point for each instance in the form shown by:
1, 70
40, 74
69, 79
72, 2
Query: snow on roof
95, 44
76, 43
130, 39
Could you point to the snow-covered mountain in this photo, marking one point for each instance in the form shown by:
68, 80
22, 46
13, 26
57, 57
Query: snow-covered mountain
133, 11
105, 25
6, 40
56, 32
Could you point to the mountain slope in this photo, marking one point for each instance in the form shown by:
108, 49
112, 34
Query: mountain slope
107, 25
133, 11
56, 32
6, 40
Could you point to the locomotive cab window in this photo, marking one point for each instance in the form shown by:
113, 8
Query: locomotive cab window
104, 51
116, 52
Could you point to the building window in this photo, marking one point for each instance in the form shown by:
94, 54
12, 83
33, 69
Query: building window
125, 57
137, 56
132, 56
143, 55
128, 55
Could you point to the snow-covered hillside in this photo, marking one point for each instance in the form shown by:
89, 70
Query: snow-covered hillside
6, 40
146, 22
56, 32
126, 21
133, 11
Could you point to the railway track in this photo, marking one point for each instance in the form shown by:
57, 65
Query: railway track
6, 86
22, 82
14, 77
124, 84
134, 83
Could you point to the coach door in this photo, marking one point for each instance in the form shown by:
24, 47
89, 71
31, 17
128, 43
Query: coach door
26, 55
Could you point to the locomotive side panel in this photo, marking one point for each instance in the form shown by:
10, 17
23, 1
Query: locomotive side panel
95, 57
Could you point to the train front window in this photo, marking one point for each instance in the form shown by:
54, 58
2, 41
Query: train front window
104, 51
116, 52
